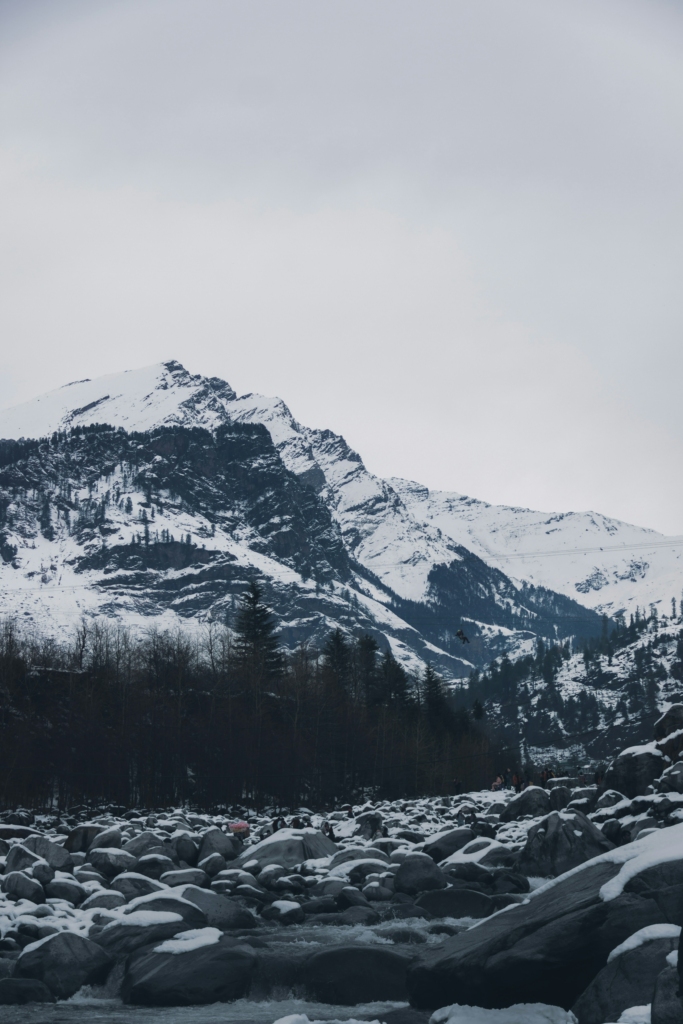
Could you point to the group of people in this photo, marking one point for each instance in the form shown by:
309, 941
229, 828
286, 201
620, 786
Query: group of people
518, 781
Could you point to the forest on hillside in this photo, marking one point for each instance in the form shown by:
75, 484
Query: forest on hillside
225, 717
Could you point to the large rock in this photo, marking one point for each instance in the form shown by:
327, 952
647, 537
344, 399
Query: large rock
142, 844
667, 1006
132, 884
671, 721
111, 838
111, 861
64, 962
550, 948
55, 854
219, 971
456, 903
104, 899
418, 873
192, 915
367, 824
532, 800
140, 928
220, 911
80, 838
347, 975
559, 797
635, 769
627, 980
561, 841
215, 841
19, 991
671, 779
185, 876
66, 889
289, 847
23, 887
19, 858
444, 844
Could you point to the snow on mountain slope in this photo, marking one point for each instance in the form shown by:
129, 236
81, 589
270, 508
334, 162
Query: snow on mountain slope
605, 564
135, 400
419, 562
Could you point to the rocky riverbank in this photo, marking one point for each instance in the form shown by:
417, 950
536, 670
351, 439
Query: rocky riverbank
568, 896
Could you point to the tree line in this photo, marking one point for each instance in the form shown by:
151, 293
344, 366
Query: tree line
224, 716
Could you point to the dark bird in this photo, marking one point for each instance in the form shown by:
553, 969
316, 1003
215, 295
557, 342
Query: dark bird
461, 637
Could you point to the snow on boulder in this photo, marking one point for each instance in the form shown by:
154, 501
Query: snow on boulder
533, 800
629, 976
552, 946
289, 846
635, 768
125, 934
64, 962
443, 844
561, 841
209, 972
521, 1013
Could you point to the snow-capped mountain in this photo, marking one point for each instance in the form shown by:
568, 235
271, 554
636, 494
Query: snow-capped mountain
384, 555
604, 563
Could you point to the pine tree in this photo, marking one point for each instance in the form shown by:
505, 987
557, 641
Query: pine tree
434, 696
257, 649
337, 657
366, 652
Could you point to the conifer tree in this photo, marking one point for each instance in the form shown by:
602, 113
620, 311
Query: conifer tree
257, 649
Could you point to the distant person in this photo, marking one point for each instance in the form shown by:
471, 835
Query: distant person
461, 637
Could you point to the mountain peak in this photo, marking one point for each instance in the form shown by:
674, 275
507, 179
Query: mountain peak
163, 393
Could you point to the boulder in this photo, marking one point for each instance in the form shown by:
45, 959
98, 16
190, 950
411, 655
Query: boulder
212, 864
66, 889
111, 838
559, 797
142, 844
80, 838
220, 911
346, 975
358, 870
19, 858
16, 831
192, 915
185, 876
561, 841
289, 847
345, 855
456, 903
667, 1007
104, 899
64, 962
671, 721
55, 854
626, 980
215, 841
187, 849
418, 873
671, 779
111, 861
218, 971
154, 865
19, 991
284, 911
367, 824
550, 948
140, 928
635, 769
532, 800
444, 844
132, 884
22, 887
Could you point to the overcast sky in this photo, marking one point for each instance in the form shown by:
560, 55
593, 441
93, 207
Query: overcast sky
451, 231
